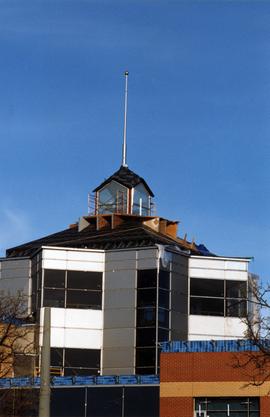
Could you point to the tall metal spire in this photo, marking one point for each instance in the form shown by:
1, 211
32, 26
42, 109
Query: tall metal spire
124, 150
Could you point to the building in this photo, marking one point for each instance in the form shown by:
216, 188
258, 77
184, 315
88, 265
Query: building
121, 286
120, 282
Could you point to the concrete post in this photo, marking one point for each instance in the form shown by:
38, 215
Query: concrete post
45, 390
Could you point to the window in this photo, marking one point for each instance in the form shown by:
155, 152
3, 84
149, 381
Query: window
218, 297
147, 278
54, 278
112, 198
223, 407
153, 320
68, 361
72, 289
146, 317
141, 201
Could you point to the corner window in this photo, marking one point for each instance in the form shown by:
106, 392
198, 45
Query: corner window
72, 289
215, 297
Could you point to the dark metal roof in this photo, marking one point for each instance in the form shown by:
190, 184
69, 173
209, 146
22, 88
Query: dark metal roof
127, 178
128, 235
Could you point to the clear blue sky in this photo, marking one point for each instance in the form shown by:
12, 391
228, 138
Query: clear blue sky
198, 122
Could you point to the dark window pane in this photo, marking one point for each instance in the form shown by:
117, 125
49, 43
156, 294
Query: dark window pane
145, 371
82, 358
54, 298
149, 407
236, 308
67, 402
145, 357
84, 280
54, 278
81, 371
236, 289
164, 298
56, 357
104, 402
146, 316
207, 287
207, 306
84, 299
163, 317
163, 335
147, 278
146, 337
164, 279
146, 297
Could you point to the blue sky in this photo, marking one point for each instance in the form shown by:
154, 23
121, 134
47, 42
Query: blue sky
198, 121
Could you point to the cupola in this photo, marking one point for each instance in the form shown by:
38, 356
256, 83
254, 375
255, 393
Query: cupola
124, 192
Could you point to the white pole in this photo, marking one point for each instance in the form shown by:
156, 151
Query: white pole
45, 389
124, 154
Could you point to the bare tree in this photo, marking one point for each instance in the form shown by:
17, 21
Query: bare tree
255, 363
16, 335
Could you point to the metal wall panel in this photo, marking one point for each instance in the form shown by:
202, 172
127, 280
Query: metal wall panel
179, 297
118, 318
122, 357
123, 298
120, 279
118, 337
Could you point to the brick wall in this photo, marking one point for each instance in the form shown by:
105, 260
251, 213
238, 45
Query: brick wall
203, 366
177, 407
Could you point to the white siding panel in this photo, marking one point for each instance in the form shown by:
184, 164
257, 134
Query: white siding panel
57, 337
84, 266
207, 273
54, 254
236, 275
83, 339
240, 266
206, 263
76, 260
54, 264
208, 327
85, 256
84, 319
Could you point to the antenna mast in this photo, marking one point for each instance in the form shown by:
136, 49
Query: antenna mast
124, 153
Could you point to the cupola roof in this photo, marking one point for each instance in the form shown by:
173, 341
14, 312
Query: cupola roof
127, 178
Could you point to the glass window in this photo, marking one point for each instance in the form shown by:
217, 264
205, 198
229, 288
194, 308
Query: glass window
163, 317
80, 371
54, 298
112, 198
207, 287
147, 278
84, 299
163, 335
145, 370
223, 407
56, 357
103, 402
236, 308
54, 278
141, 201
145, 357
84, 280
164, 298
82, 358
164, 279
207, 306
146, 336
146, 297
236, 289
146, 316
